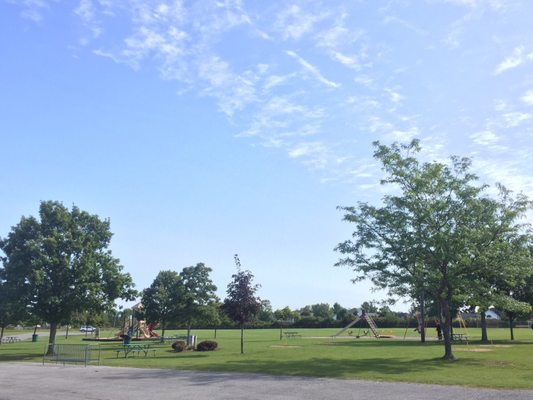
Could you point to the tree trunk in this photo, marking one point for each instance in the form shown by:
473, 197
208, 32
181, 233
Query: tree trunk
484, 336
242, 338
188, 335
162, 329
215, 333
2, 334
447, 330
422, 318
511, 319
52, 338
66, 333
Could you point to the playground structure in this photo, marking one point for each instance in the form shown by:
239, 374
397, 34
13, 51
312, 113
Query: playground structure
365, 317
137, 328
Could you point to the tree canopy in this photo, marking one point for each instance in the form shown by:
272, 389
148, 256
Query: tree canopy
61, 264
197, 296
161, 300
430, 236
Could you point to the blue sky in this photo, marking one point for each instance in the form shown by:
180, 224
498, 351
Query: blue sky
208, 128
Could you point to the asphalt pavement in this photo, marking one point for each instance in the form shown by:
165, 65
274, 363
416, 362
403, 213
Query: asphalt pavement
22, 381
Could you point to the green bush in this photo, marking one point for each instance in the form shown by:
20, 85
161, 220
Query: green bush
179, 346
207, 345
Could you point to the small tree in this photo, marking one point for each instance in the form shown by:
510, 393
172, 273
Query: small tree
241, 305
197, 296
161, 300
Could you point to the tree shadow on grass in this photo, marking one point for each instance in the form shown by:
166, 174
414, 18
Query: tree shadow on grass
380, 343
21, 357
319, 367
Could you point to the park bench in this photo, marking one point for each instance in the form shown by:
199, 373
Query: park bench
10, 339
459, 337
72, 353
291, 335
135, 349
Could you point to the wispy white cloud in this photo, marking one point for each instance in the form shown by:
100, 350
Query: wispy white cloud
276, 80
393, 95
510, 172
496, 5
311, 69
528, 98
514, 119
517, 58
34, 9
294, 23
485, 138
306, 149
392, 19
350, 61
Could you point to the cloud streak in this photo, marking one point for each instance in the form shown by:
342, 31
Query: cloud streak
516, 59
312, 70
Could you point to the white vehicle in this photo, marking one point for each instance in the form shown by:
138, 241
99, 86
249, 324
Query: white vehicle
87, 328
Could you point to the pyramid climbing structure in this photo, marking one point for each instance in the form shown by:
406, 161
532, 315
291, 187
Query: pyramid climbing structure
368, 319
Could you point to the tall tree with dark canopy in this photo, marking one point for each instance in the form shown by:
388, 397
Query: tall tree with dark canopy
197, 296
241, 304
61, 264
428, 237
161, 301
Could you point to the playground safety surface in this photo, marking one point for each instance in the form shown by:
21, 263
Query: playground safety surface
22, 381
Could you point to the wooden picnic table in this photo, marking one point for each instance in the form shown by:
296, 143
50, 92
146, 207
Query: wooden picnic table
135, 348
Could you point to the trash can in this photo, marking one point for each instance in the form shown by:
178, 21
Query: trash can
192, 340
34, 337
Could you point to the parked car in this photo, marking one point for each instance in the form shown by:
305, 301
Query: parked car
87, 328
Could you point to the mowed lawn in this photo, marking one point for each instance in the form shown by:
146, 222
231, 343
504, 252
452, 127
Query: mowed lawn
501, 364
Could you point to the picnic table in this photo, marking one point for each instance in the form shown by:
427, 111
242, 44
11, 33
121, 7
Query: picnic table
459, 337
291, 335
135, 348
10, 339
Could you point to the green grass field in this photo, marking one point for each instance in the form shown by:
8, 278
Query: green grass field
501, 364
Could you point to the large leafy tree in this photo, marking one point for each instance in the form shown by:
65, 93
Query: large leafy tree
61, 264
504, 272
197, 296
241, 303
427, 238
161, 301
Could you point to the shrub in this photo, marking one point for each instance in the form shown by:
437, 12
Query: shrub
179, 346
207, 345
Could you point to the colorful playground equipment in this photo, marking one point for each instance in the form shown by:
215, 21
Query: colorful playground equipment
133, 327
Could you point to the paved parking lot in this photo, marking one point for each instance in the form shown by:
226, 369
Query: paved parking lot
22, 381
